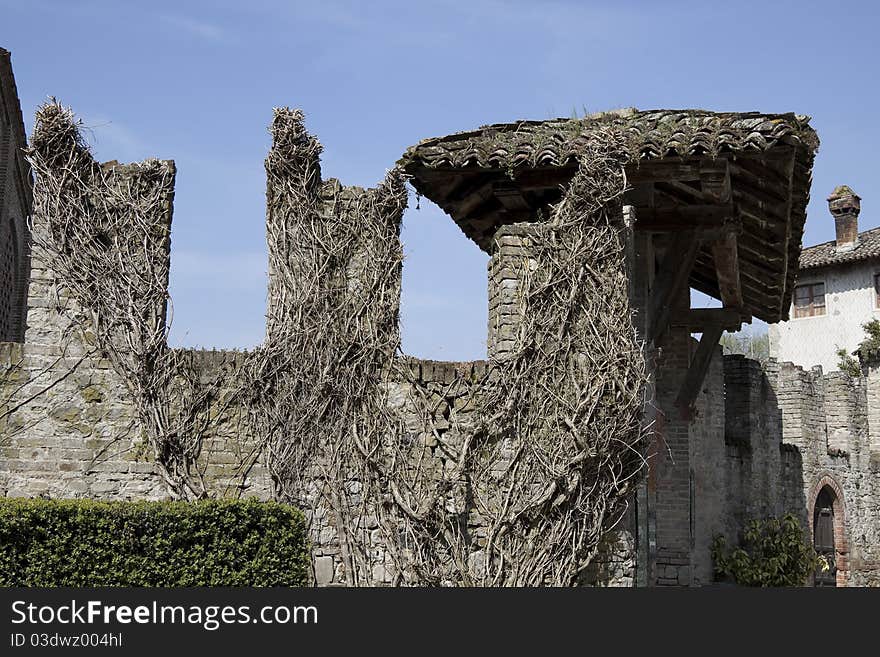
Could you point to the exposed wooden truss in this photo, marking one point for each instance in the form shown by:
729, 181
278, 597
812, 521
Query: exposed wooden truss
696, 373
750, 267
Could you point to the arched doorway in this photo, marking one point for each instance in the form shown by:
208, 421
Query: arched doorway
823, 536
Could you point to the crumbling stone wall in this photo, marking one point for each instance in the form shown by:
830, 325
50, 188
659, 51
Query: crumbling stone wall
759, 442
785, 434
69, 429
836, 449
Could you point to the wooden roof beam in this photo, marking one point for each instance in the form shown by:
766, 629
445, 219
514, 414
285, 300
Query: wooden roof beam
697, 319
715, 181
687, 217
510, 196
668, 169
696, 373
757, 169
538, 179
474, 200
726, 255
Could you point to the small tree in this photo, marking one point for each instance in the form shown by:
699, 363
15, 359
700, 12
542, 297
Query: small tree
869, 349
773, 553
753, 345
847, 363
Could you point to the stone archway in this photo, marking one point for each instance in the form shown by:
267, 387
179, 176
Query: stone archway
824, 492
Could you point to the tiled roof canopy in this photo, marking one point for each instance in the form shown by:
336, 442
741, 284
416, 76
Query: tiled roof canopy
770, 156
826, 254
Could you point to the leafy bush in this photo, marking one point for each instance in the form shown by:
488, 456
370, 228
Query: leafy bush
210, 543
773, 553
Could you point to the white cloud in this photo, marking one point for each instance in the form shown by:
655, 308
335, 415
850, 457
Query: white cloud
197, 28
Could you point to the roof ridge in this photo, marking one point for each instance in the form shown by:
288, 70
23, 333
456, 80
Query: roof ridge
834, 241
826, 253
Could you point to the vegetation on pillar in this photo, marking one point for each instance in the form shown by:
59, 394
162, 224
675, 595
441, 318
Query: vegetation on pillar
315, 390
104, 230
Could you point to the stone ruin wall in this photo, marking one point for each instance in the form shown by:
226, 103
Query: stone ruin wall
769, 439
70, 430
759, 443
761, 440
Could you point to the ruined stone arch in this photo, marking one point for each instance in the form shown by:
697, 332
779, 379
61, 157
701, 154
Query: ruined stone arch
827, 483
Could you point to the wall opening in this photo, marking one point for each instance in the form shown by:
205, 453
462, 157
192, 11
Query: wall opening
444, 300
827, 518
823, 537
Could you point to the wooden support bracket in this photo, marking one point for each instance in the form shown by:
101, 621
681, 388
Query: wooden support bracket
696, 373
726, 256
698, 319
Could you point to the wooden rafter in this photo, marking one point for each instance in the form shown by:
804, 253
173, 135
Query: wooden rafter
696, 373
698, 319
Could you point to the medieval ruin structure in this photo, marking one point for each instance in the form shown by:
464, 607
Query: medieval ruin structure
600, 443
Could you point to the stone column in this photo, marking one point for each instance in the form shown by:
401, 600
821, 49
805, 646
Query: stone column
509, 262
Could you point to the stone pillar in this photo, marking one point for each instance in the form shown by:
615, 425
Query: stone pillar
670, 467
509, 262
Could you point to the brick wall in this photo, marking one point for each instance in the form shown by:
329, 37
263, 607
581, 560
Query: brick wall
15, 206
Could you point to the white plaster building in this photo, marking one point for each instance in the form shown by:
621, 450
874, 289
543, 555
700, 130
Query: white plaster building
837, 291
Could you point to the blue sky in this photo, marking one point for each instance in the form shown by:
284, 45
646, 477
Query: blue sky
196, 82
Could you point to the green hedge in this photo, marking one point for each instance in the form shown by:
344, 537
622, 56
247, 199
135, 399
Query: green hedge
210, 543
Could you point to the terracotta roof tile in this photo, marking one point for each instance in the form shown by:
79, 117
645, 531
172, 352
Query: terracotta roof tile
651, 134
826, 254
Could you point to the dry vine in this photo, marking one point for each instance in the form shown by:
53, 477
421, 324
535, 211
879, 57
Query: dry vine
104, 230
534, 461
527, 494
314, 389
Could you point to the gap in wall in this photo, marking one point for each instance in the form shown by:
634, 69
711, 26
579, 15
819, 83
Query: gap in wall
444, 301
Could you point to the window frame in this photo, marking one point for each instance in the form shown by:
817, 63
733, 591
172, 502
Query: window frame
811, 309
877, 290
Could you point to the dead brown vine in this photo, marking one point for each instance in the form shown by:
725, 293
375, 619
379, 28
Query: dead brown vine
510, 479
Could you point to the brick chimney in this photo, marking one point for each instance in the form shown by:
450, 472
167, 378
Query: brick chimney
844, 205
